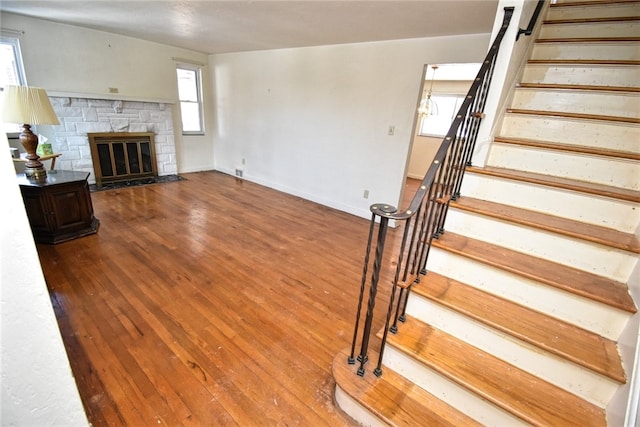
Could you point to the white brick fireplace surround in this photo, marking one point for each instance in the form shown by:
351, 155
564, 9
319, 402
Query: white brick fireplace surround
80, 116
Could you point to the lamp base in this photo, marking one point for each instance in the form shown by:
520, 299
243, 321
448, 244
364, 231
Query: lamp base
35, 173
33, 168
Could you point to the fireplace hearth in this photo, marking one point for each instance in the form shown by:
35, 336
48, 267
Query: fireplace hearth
122, 156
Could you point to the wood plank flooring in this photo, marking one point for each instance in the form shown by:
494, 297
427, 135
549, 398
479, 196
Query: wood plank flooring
208, 301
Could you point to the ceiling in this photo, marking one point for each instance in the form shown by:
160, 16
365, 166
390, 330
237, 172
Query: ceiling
234, 26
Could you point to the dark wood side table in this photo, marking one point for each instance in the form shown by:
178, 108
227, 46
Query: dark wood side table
59, 207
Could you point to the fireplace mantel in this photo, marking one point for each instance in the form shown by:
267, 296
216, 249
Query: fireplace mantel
108, 97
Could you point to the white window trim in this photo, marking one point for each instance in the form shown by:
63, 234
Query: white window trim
15, 42
13, 130
198, 70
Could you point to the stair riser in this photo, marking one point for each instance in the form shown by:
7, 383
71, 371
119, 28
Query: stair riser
579, 311
606, 51
590, 133
447, 390
603, 170
600, 29
595, 11
616, 214
356, 411
620, 75
581, 102
564, 374
593, 258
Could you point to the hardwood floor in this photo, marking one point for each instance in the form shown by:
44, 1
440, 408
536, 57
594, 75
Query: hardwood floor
410, 187
208, 301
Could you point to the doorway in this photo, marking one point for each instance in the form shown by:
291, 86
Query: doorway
442, 89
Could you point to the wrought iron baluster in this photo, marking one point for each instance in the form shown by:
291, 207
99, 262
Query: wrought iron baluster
351, 360
375, 277
378, 370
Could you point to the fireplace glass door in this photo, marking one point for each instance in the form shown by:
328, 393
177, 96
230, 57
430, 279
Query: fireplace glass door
122, 156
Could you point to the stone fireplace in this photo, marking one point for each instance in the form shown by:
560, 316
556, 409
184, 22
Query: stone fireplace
80, 117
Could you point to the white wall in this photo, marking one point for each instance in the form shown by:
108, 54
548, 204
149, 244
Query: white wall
68, 59
423, 150
314, 121
38, 388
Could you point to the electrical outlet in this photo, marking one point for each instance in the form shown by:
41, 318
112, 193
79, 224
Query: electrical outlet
366, 194
113, 90
392, 130
239, 173
243, 161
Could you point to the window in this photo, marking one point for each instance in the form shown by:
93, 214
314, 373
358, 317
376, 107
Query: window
11, 60
442, 111
190, 94
11, 71
445, 87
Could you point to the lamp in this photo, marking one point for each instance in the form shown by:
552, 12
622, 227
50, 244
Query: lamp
427, 106
28, 106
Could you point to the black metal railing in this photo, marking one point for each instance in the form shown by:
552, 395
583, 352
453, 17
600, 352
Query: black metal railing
423, 220
532, 22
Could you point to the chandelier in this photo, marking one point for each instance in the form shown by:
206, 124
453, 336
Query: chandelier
427, 106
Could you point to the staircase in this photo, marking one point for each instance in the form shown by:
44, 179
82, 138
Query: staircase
519, 317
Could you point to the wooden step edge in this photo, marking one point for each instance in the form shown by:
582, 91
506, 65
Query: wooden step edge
443, 200
411, 279
567, 341
570, 148
554, 224
623, 62
607, 19
589, 40
590, 3
556, 182
562, 277
524, 395
393, 399
593, 88
569, 115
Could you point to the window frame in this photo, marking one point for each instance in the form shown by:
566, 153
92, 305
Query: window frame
198, 89
14, 42
13, 130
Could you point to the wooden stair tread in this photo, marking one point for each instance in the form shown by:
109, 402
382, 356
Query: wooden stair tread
558, 86
578, 282
393, 398
588, 40
624, 62
592, 20
549, 145
582, 347
565, 183
568, 227
590, 3
518, 392
570, 115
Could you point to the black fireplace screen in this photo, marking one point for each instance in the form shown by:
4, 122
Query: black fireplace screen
122, 156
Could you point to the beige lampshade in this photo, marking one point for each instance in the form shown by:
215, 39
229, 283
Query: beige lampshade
27, 105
